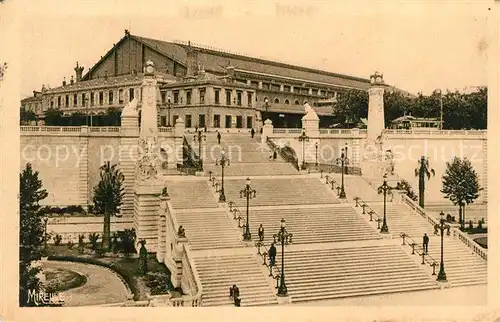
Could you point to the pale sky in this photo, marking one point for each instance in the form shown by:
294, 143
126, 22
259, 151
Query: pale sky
418, 46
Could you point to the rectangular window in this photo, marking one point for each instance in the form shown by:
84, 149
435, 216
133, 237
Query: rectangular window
202, 95
238, 98
176, 97
188, 97
216, 120
249, 122
101, 98
75, 99
163, 121
131, 94
110, 98
58, 101
228, 97
250, 98
239, 122
175, 119
120, 96
51, 104
82, 100
188, 121
228, 121
67, 100
201, 120
217, 96
91, 99
286, 88
163, 97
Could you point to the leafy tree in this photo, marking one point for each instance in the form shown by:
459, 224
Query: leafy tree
93, 239
113, 117
423, 171
26, 116
127, 238
53, 117
31, 231
352, 105
405, 185
396, 104
108, 197
143, 258
460, 184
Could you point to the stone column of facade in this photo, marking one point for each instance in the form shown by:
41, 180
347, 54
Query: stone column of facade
162, 229
267, 130
310, 124
128, 154
376, 121
148, 184
355, 148
83, 183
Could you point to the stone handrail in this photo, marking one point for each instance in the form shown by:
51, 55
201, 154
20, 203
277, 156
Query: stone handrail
164, 129
189, 300
477, 133
483, 253
469, 242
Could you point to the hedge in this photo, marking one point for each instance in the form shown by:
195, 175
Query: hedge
125, 275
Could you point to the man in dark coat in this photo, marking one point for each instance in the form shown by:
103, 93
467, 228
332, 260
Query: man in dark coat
426, 243
261, 233
252, 132
218, 137
272, 254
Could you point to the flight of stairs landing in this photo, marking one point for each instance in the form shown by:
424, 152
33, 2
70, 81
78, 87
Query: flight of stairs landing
286, 191
322, 274
461, 265
218, 273
210, 229
356, 186
191, 194
313, 225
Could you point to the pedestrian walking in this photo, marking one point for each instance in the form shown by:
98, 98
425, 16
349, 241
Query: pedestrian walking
261, 233
218, 137
272, 255
237, 301
231, 289
252, 133
236, 291
426, 243
275, 155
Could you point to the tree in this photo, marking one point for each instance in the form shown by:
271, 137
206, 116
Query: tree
113, 117
53, 117
460, 185
127, 238
108, 197
422, 172
31, 231
352, 105
405, 185
26, 116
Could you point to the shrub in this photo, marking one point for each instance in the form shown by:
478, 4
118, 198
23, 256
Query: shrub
127, 238
115, 245
471, 225
81, 245
57, 239
158, 283
93, 238
480, 224
70, 244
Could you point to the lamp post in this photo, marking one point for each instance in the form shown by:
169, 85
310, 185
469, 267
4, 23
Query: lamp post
283, 236
223, 161
200, 137
266, 104
342, 161
303, 138
385, 188
248, 193
442, 275
316, 146
168, 110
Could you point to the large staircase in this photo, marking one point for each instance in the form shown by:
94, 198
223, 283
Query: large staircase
189, 194
219, 272
401, 219
321, 274
356, 186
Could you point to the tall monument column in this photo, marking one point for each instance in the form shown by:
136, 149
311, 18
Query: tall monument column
376, 123
148, 176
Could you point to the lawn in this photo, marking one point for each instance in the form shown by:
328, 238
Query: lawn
127, 267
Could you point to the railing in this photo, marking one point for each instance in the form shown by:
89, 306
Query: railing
285, 154
105, 129
420, 251
163, 129
407, 200
190, 300
361, 203
481, 133
69, 129
265, 254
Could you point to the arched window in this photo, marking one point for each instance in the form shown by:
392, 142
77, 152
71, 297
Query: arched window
287, 101
266, 99
297, 102
305, 101
276, 100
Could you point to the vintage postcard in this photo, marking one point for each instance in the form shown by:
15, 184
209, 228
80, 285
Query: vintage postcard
329, 160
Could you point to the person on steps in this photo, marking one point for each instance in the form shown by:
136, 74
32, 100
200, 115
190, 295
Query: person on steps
218, 137
272, 254
261, 233
426, 243
237, 301
252, 133
275, 155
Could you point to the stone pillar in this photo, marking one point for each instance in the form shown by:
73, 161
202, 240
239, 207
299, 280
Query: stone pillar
282, 87
162, 229
146, 210
179, 140
310, 125
376, 123
267, 130
83, 182
291, 89
260, 85
355, 148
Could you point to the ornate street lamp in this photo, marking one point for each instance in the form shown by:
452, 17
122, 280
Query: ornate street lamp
442, 226
303, 138
342, 161
283, 236
168, 110
223, 162
316, 146
385, 189
200, 137
248, 193
266, 104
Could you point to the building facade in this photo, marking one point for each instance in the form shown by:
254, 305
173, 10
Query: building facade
204, 86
